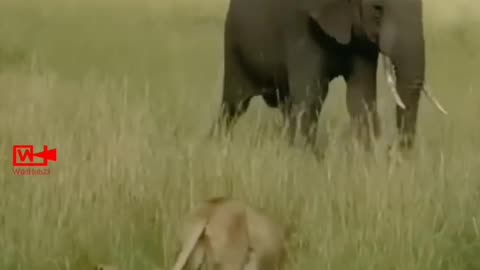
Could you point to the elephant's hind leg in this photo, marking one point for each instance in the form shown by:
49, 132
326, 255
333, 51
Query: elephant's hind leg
279, 99
238, 90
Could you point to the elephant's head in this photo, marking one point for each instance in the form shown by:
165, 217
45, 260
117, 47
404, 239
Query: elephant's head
396, 27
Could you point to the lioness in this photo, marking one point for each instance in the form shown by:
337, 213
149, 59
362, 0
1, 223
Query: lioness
227, 234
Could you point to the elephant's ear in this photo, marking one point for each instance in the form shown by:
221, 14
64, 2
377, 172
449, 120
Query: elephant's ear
334, 17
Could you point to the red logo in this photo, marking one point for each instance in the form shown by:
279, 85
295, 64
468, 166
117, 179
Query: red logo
23, 152
25, 156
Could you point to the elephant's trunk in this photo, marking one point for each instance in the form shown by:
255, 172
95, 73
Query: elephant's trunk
410, 74
402, 40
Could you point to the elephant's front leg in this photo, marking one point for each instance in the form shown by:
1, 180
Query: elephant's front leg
362, 97
308, 90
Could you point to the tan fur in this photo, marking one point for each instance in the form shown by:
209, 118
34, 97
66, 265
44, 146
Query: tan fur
226, 234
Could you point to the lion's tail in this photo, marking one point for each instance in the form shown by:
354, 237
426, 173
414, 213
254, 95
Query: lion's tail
187, 249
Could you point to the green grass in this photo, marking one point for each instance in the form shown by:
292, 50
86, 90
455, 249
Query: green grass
126, 91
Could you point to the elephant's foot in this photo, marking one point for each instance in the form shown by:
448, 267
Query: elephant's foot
220, 130
361, 137
229, 114
305, 141
398, 154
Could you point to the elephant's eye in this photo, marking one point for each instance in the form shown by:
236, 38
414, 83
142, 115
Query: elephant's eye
378, 8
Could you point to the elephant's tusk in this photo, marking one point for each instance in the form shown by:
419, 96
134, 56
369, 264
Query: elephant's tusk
391, 82
387, 65
434, 100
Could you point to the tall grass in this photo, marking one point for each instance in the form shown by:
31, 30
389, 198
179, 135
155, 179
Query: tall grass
126, 91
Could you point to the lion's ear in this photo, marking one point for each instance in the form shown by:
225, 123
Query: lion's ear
334, 17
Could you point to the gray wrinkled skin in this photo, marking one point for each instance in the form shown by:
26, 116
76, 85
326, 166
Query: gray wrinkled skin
287, 51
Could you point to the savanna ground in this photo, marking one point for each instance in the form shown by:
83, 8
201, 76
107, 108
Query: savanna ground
126, 91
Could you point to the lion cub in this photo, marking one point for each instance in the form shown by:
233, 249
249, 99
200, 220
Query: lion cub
226, 234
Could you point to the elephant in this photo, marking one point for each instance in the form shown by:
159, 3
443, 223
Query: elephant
288, 51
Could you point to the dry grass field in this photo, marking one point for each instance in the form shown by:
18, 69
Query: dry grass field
126, 91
